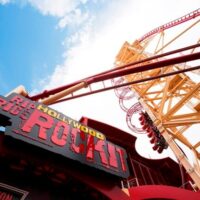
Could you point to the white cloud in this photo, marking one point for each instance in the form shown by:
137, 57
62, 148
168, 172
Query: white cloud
69, 12
58, 8
4, 1
93, 49
76, 17
94, 44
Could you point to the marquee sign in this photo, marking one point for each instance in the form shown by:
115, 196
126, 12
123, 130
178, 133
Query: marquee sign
49, 129
8, 192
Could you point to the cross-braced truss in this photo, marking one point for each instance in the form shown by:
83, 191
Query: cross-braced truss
173, 102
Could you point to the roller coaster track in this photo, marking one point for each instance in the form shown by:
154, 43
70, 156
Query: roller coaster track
171, 24
135, 75
134, 67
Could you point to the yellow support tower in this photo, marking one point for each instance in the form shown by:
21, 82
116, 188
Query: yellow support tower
173, 102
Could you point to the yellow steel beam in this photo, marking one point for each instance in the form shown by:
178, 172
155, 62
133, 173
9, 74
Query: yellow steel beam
182, 102
179, 135
164, 98
180, 122
197, 145
186, 116
182, 158
176, 37
59, 95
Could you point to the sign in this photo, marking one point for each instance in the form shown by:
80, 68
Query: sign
8, 192
49, 129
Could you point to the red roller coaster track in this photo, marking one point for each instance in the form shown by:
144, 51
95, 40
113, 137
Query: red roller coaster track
171, 24
132, 67
128, 69
171, 58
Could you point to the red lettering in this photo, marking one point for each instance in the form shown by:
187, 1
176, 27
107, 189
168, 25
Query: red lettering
15, 110
8, 106
112, 155
2, 102
24, 115
40, 119
90, 148
24, 104
17, 99
5, 196
122, 157
77, 148
82, 135
2, 195
9, 197
99, 147
62, 129
31, 106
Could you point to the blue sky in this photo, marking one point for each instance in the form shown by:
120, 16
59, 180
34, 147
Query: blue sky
41, 42
49, 43
31, 43
30, 46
